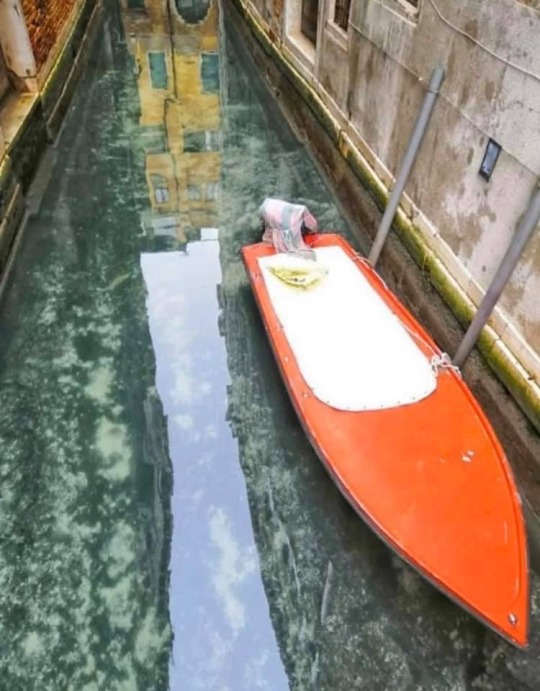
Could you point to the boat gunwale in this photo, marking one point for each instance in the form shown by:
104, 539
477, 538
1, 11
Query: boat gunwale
411, 324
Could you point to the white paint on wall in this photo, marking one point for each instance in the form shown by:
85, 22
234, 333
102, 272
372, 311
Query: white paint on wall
15, 44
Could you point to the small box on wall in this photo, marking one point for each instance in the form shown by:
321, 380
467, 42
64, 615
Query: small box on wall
493, 149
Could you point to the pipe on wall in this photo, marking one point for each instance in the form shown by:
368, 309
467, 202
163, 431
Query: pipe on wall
437, 78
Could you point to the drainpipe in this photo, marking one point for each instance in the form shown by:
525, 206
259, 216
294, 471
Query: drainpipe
513, 253
437, 77
2, 143
16, 46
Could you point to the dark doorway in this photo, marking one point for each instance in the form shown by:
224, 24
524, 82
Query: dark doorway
310, 15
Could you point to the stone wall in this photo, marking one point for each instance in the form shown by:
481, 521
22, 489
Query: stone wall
377, 72
45, 20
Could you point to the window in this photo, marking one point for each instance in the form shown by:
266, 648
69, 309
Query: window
192, 11
161, 188
341, 13
136, 4
212, 191
196, 142
193, 142
193, 193
165, 225
158, 70
310, 16
211, 140
154, 139
408, 8
210, 72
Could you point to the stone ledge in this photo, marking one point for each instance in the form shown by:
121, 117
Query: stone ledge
60, 84
30, 122
11, 210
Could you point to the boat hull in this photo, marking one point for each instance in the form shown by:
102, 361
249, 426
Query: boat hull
430, 478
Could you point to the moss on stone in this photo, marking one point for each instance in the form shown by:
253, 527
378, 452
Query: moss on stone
6, 182
523, 389
414, 242
367, 177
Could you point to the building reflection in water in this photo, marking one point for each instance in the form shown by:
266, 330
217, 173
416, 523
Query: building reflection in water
174, 44
218, 609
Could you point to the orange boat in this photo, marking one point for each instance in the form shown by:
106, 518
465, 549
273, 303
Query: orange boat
398, 430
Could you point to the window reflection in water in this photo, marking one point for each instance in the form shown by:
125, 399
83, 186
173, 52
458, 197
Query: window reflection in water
175, 47
192, 11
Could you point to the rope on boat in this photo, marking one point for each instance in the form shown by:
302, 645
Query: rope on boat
442, 362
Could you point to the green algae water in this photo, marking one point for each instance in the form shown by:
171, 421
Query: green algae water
164, 523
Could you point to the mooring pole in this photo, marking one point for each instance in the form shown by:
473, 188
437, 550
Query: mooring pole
513, 253
437, 78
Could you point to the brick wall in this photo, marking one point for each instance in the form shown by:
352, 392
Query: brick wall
45, 20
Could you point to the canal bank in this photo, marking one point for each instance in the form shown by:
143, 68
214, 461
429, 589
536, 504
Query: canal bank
34, 105
165, 522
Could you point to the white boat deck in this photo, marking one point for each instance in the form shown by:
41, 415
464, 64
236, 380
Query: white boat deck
351, 349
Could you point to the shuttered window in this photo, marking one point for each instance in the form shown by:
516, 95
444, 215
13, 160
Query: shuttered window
158, 70
210, 72
310, 15
341, 13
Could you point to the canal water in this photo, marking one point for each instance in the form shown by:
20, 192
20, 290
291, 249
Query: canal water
164, 523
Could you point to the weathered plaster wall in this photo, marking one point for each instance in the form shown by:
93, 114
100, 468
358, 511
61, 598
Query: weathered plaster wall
388, 61
482, 97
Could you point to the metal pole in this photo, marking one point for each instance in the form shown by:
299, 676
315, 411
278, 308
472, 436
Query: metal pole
437, 77
513, 253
